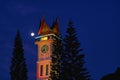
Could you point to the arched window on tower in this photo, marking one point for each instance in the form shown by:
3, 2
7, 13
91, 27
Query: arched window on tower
47, 69
41, 70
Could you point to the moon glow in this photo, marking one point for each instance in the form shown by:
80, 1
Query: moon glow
32, 34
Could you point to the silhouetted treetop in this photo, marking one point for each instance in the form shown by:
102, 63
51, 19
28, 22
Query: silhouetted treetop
112, 76
18, 70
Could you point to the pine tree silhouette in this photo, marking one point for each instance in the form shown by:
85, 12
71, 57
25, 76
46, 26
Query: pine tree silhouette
112, 76
18, 70
55, 60
72, 61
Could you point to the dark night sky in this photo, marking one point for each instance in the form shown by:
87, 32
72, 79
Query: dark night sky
97, 23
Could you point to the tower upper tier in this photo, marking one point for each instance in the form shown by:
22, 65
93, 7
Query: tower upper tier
44, 29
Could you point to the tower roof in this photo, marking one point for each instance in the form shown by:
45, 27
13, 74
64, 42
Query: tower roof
55, 27
44, 28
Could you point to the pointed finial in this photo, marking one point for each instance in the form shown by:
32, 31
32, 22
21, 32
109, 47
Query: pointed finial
44, 28
55, 27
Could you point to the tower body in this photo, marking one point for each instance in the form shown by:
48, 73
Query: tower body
44, 42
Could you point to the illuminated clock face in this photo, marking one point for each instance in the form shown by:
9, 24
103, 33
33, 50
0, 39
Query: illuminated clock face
44, 48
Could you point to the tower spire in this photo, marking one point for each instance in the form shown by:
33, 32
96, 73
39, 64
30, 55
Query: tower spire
55, 27
44, 28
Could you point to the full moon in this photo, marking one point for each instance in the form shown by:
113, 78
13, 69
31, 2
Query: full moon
32, 34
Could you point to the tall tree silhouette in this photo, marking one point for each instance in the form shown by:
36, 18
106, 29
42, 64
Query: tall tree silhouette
18, 70
55, 60
72, 61
56, 51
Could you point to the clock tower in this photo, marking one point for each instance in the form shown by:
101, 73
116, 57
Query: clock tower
44, 40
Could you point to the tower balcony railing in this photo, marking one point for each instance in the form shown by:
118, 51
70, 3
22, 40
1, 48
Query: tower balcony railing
46, 58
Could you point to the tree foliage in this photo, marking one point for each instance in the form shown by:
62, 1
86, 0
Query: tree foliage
72, 61
112, 76
55, 60
18, 70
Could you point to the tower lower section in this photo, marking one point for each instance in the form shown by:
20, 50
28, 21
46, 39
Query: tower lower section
43, 70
